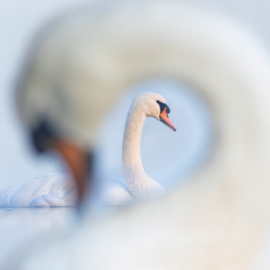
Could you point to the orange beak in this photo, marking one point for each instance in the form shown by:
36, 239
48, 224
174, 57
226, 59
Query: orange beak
164, 118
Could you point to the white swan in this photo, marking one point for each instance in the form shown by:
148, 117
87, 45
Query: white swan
138, 183
58, 190
147, 104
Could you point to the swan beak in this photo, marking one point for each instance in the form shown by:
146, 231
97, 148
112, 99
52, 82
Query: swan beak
164, 118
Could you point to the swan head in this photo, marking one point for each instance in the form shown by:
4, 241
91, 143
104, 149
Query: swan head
155, 105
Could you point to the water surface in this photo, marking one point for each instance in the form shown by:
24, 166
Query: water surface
18, 226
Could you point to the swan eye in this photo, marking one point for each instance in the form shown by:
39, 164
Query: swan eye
163, 106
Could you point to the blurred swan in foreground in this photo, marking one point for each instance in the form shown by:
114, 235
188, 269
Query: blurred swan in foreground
58, 190
217, 220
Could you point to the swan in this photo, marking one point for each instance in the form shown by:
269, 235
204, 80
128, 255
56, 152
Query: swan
217, 220
58, 189
138, 183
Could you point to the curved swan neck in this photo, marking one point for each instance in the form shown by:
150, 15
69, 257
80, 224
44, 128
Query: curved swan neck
131, 156
138, 182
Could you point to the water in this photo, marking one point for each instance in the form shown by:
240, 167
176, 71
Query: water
18, 226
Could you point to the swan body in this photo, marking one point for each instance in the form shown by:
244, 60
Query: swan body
57, 190
46, 191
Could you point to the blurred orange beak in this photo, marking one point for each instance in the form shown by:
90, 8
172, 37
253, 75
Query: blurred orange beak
164, 118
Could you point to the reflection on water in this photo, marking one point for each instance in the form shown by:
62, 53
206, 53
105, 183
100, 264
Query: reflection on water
18, 225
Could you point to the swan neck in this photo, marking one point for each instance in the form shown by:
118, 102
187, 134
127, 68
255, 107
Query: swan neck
138, 182
131, 157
